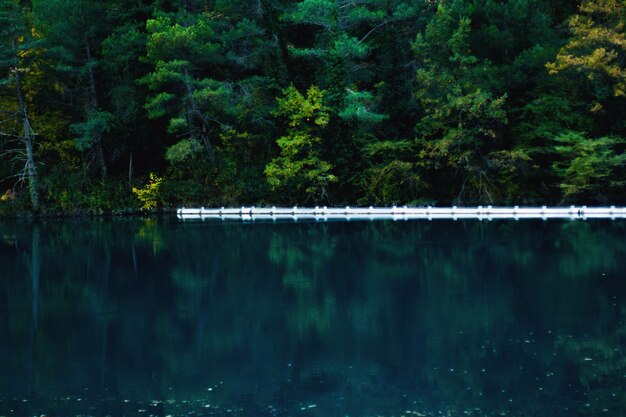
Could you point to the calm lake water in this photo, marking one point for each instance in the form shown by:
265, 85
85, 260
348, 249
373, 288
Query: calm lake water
412, 318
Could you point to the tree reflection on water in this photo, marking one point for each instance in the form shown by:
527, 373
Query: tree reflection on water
323, 319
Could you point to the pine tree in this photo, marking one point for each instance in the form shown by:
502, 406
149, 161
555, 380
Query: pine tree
16, 42
73, 32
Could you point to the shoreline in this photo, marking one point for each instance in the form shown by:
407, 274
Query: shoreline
24, 215
347, 212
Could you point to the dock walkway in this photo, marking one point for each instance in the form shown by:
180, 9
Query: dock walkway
403, 213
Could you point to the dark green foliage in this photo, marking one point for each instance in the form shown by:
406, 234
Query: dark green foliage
395, 183
591, 169
76, 194
462, 101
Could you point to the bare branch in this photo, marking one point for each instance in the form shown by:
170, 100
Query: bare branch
9, 135
372, 31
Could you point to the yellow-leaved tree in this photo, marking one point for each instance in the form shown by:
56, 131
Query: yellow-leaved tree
597, 47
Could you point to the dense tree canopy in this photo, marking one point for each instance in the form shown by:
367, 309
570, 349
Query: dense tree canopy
325, 101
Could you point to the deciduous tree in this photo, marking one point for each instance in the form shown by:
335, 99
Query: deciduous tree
299, 171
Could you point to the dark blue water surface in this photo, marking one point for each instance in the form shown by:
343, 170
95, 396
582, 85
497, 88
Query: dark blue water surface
411, 318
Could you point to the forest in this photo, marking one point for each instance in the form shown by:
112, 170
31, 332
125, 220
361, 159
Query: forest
115, 106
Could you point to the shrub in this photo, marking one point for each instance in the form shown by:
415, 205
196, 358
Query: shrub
149, 194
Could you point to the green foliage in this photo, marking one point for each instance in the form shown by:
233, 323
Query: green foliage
92, 129
380, 151
299, 168
170, 39
545, 117
241, 174
349, 47
157, 105
592, 168
182, 151
176, 193
301, 111
462, 121
189, 79
14, 38
315, 12
395, 183
458, 101
358, 107
77, 193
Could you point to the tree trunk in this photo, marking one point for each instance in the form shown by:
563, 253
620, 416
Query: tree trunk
130, 172
90, 108
194, 114
31, 168
207, 142
272, 21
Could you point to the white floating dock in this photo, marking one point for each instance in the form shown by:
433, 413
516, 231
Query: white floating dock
402, 213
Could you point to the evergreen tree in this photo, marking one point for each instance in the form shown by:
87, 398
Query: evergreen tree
16, 44
463, 119
458, 101
192, 60
73, 32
